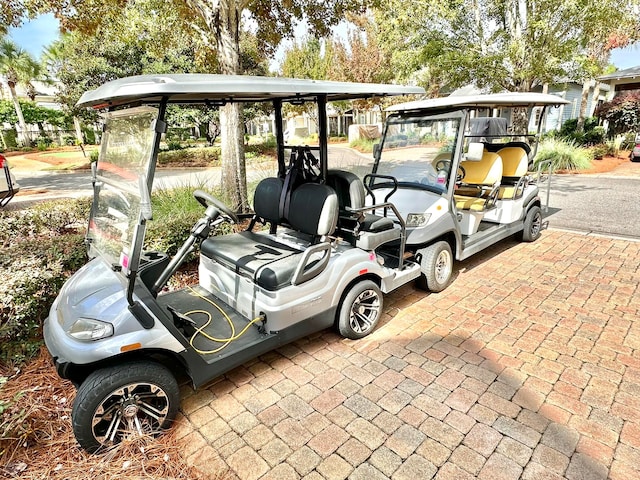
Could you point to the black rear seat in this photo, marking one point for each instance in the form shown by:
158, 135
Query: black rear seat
368, 230
274, 264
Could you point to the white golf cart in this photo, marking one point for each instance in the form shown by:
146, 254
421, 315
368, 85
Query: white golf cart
112, 331
458, 177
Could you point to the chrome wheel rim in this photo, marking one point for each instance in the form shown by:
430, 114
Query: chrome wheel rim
135, 409
364, 311
444, 266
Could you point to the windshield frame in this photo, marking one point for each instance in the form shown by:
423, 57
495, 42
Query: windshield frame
459, 115
122, 183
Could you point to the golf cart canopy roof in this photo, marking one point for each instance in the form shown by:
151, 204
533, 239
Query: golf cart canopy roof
494, 100
221, 89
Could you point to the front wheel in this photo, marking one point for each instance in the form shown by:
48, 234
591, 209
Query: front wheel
360, 310
436, 266
532, 225
138, 398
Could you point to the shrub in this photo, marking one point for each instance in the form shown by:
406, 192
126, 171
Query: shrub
364, 145
563, 155
628, 141
591, 133
599, 151
267, 147
11, 138
174, 145
42, 246
208, 156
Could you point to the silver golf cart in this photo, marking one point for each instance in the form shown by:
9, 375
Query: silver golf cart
8, 185
459, 176
306, 262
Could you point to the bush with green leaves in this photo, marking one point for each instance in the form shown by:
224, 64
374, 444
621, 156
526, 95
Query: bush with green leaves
196, 157
564, 155
591, 134
175, 212
42, 246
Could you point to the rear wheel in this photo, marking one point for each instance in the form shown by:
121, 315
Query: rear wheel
437, 267
360, 310
532, 225
139, 398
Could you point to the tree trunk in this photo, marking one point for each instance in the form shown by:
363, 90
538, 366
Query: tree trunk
586, 87
520, 115
226, 26
23, 125
78, 129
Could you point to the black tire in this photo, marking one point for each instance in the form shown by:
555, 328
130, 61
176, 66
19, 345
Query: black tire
437, 267
135, 398
360, 310
532, 225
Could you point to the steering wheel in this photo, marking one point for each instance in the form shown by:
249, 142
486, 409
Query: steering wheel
443, 165
207, 200
460, 174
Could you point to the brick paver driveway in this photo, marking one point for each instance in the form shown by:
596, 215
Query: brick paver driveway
528, 366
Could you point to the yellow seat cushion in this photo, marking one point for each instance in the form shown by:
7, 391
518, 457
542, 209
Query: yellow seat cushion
507, 193
470, 203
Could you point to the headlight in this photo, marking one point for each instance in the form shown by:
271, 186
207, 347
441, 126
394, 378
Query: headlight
417, 219
88, 329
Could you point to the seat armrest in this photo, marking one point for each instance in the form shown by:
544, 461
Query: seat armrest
307, 270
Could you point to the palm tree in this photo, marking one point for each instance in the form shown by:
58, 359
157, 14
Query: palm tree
18, 66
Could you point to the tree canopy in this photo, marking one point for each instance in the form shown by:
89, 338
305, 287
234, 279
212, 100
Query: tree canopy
500, 45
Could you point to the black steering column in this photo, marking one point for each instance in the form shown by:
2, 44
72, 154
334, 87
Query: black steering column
216, 213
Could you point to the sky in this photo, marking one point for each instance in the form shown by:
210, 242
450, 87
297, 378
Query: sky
35, 35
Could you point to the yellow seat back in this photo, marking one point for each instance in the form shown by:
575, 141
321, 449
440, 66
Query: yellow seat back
487, 171
514, 161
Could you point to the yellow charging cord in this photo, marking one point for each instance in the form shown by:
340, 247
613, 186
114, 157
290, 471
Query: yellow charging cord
200, 330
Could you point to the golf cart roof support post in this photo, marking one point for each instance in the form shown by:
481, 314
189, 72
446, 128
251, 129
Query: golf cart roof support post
323, 133
539, 131
277, 106
138, 239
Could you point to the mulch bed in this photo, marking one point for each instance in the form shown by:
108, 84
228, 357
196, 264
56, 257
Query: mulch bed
42, 445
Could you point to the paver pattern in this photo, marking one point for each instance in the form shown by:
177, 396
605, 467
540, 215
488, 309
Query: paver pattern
527, 366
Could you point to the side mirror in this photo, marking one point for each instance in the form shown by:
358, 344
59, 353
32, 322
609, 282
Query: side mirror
376, 150
475, 152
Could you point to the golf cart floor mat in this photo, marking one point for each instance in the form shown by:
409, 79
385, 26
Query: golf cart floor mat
233, 331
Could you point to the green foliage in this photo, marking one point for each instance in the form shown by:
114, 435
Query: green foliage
32, 113
622, 112
627, 141
194, 157
600, 150
41, 246
11, 137
145, 36
592, 133
564, 155
500, 45
364, 145
175, 212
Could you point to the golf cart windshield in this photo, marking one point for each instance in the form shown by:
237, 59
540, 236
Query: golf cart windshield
417, 151
121, 193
